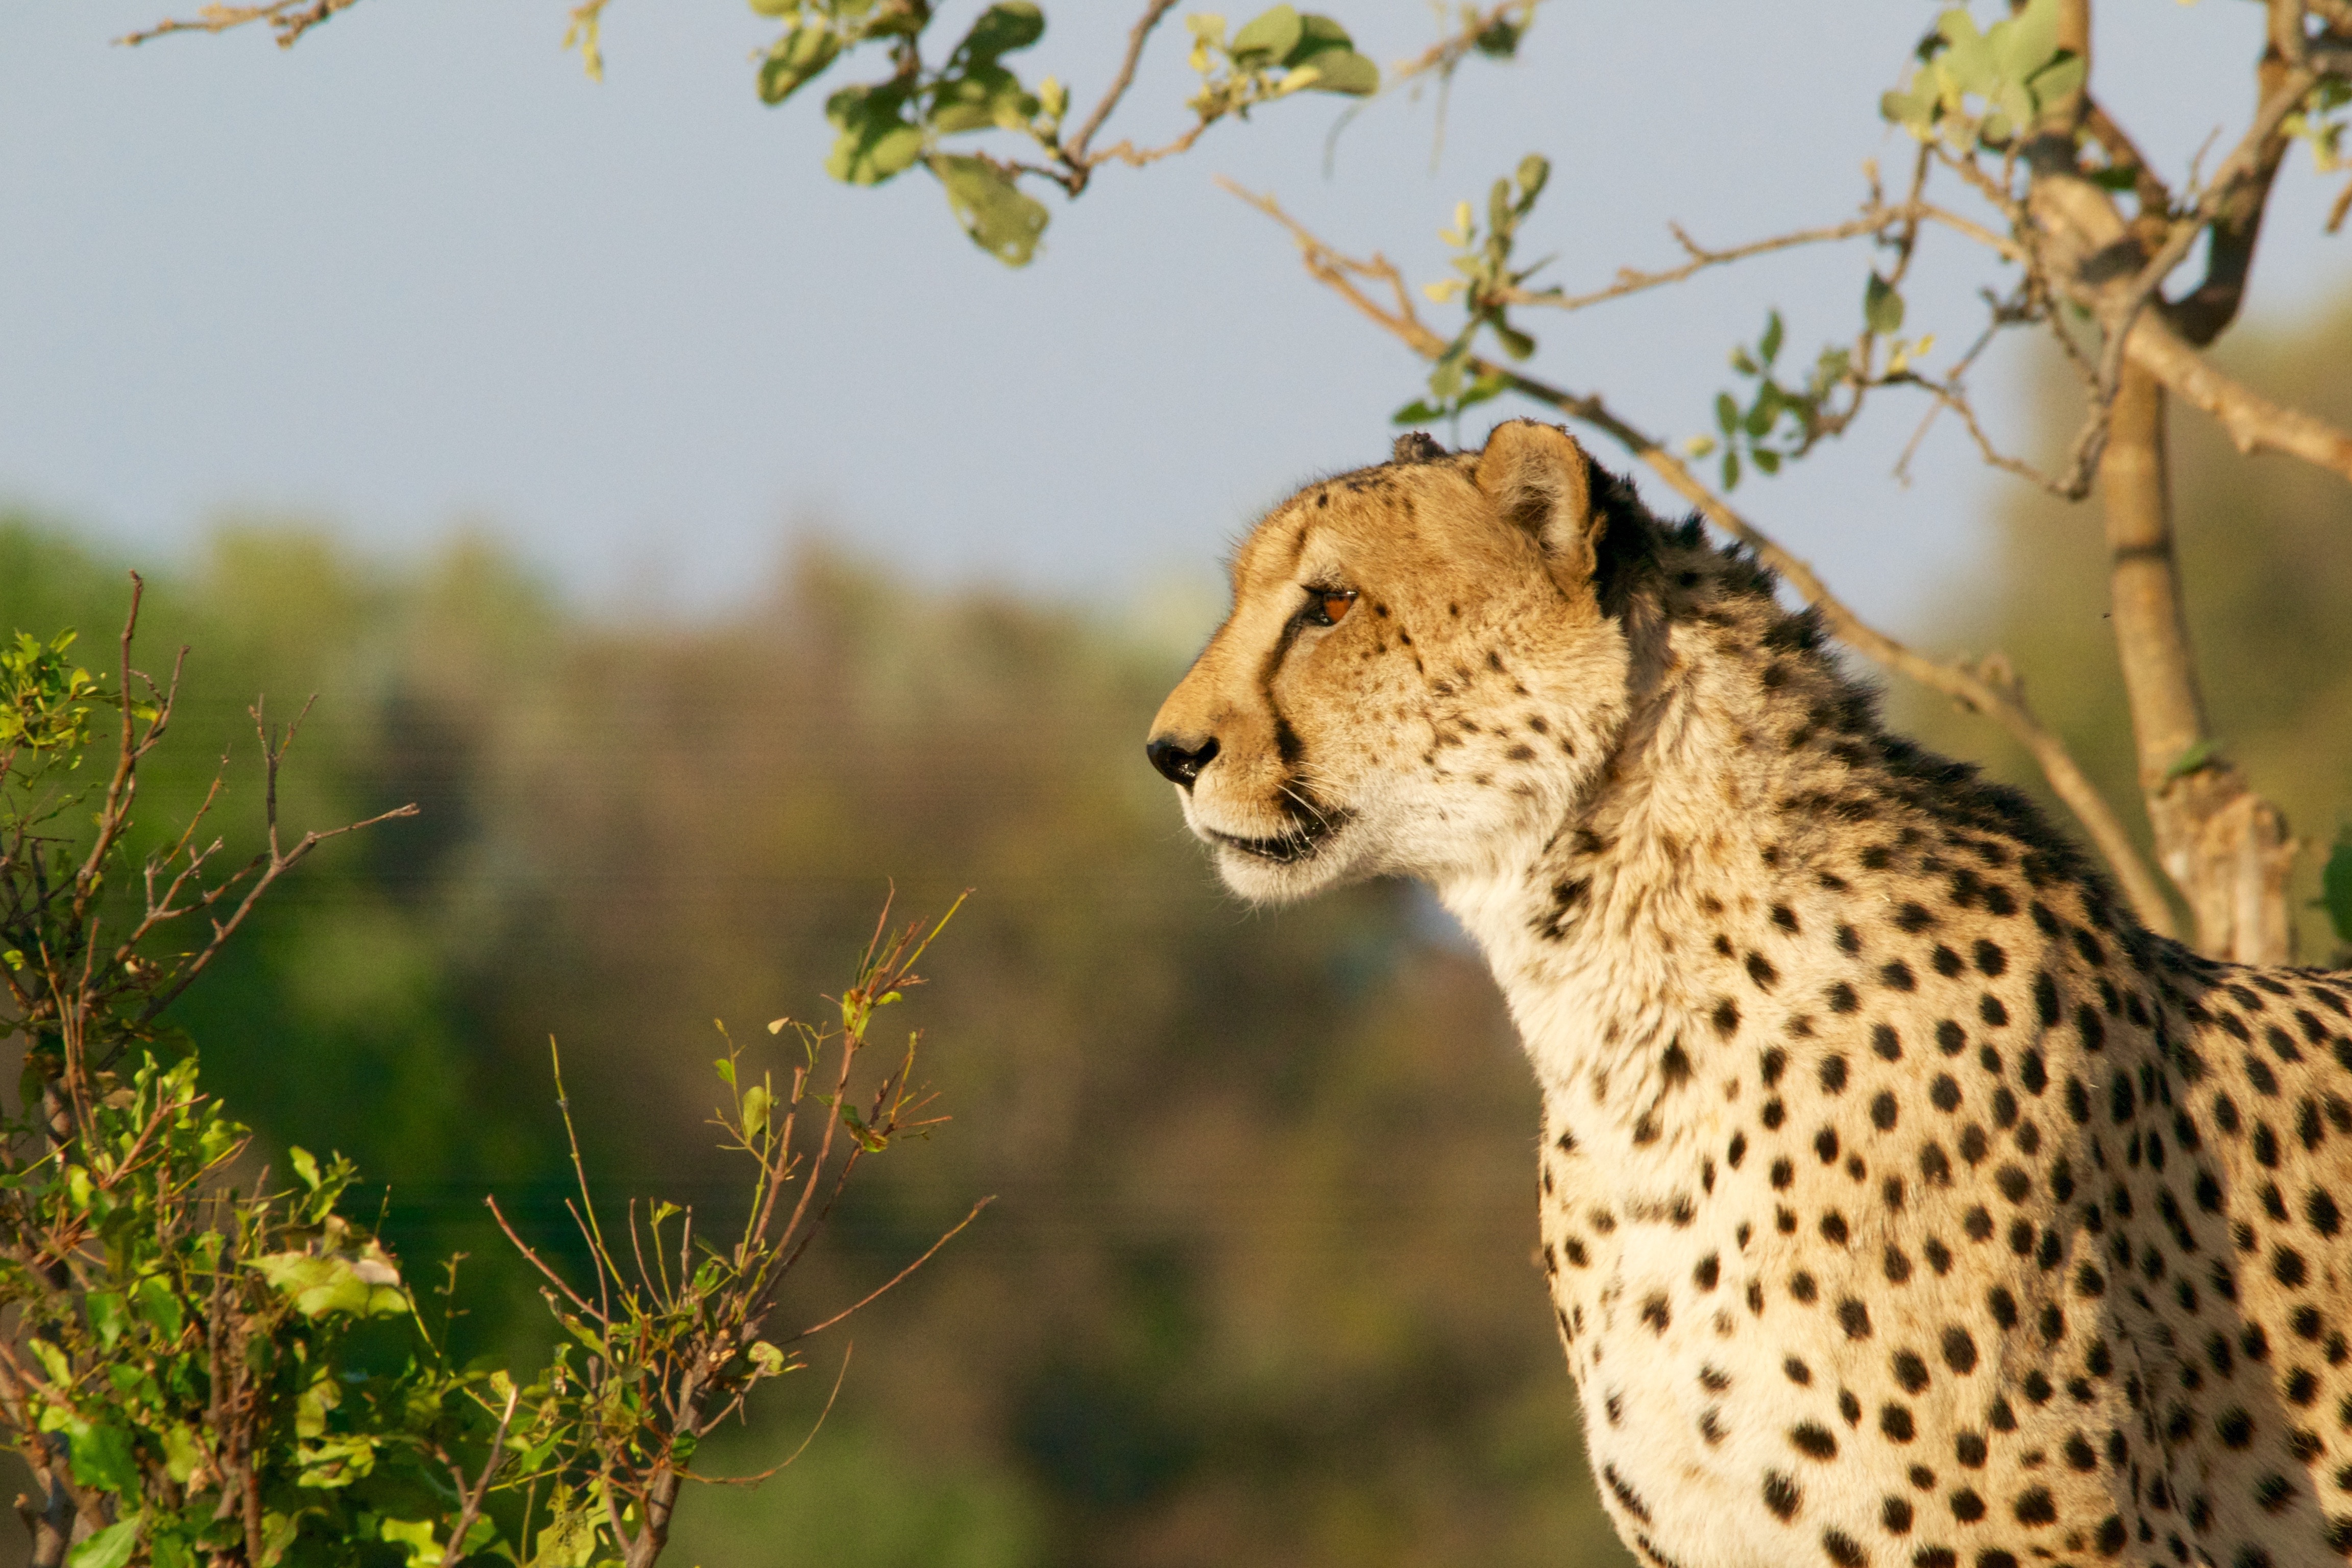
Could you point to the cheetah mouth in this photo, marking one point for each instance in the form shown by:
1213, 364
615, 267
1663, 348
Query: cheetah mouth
1302, 841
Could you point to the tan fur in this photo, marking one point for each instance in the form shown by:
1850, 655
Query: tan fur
1903, 1202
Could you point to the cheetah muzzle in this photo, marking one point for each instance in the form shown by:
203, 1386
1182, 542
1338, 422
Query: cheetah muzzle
1904, 1202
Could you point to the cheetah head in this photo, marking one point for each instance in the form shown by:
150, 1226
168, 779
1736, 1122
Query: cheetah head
1424, 664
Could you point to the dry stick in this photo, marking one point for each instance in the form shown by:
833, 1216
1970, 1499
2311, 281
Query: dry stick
472, 1506
2001, 699
883, 1288
1140, 34
289, 18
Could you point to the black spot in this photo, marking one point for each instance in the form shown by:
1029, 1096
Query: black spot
1960, 1349
2235, 1428
1760, 970
1854, 1319
1841, 998
1896, 976
1834, 1074
1895, 1515
1945, 1093
1910, 1371
1842, 1549
1814, 1441
2034, 1506
2320, 1210
1895, 1421
1967, 1507
1726, 1017
1825, 1144
1781, 1496
1882, 1111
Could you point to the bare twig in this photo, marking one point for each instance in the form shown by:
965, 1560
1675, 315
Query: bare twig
473, 1495
1982, 687
1075, 151
289, 19
887, 1285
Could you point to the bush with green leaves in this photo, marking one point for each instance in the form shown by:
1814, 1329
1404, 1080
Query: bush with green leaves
203, 1361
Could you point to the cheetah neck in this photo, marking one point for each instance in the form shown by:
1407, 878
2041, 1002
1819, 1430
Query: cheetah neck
1608, 932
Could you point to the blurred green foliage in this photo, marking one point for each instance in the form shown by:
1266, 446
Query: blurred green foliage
2261, 553
1256, 1288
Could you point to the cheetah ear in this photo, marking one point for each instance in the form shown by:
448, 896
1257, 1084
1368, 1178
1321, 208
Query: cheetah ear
1541, 481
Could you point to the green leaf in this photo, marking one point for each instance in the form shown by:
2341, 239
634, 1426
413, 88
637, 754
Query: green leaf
795, 58
1343, 70
1417, 412
1534, 172
1767, 459
1515, 343
1003, 27
2195, 757
1967, 58
110, 1548
2026, 42
726, 1071
1767, 347
1727, 413
320, 1286
2335, 888
1267, 39
2062, 77
1730, 470
1000, 219
107, 1316
305, 1167
1882, 307
988, 96
1317, 35
101, 1458
756, 1100
876, 142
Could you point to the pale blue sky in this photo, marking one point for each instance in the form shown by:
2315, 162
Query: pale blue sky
419, 271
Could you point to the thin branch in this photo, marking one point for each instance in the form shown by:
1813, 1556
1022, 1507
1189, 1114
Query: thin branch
290, 19
1873, 219
1138, 35
472, 1510
887, 1285
2252, 422
1987, 690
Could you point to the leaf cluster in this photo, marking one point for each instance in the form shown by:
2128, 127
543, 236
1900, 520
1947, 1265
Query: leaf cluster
201, 1364
1986, 88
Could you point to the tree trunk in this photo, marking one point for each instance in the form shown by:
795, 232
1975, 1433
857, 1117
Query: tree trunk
2225, 848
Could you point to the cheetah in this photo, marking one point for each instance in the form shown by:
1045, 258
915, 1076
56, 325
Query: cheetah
1904, 1202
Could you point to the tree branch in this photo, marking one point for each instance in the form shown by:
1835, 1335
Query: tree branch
1138, 35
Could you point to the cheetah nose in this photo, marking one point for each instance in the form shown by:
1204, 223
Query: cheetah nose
1178, 763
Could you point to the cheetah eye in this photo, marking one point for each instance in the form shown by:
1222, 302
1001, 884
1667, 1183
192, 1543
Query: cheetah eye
1328, 606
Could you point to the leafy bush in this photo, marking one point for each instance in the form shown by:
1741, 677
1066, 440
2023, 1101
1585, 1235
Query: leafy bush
203, 1362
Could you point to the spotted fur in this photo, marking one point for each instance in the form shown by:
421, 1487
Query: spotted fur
1903, 1202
